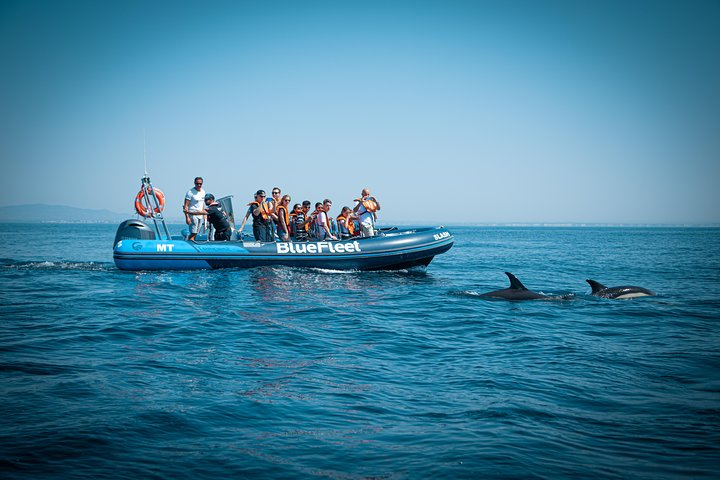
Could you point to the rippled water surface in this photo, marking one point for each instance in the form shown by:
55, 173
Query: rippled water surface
294, 373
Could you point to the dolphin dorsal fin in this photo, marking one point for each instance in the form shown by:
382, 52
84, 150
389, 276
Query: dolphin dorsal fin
514, 282
596, 286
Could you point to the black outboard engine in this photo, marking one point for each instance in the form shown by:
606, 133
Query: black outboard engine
134, 230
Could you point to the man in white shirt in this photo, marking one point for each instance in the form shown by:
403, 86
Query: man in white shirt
365, 207
194, 203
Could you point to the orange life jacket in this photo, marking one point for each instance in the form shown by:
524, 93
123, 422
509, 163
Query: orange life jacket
296, 228
369, 203
307, 220
282, 212
265, 210
349, 224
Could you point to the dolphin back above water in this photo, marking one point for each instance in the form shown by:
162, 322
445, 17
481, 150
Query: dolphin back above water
516, 291
628, 291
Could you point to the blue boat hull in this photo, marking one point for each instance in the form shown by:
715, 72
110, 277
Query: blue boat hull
396, 249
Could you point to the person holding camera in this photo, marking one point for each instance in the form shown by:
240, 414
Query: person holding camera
346, 224
365, 208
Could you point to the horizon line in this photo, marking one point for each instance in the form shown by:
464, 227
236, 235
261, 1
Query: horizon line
415, 222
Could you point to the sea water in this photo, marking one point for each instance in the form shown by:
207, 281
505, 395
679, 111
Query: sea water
301, 373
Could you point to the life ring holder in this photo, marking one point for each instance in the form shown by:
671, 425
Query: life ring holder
143, 201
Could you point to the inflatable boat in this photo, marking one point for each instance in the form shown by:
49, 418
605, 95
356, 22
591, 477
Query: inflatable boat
137, 249
140, 246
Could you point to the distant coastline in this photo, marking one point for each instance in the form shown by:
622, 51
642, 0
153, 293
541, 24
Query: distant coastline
62, 214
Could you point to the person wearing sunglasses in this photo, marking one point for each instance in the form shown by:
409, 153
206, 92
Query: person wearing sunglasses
275, 201
262, 212
276, 197
283, 218
193, 207
298, 221
302, 222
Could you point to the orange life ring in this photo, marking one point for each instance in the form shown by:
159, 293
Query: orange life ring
140, 206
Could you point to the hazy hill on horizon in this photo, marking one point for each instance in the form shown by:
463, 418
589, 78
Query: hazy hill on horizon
42, 213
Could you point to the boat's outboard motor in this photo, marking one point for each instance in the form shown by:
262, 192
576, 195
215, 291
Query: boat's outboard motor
134, 230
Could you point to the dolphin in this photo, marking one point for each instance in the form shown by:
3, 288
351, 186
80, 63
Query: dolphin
600, 290
517, 291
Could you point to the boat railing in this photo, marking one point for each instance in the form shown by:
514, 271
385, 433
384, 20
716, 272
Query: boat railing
154, 209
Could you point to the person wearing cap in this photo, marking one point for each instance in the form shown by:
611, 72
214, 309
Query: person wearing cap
193, 208
218, 218
249, 212
262, 213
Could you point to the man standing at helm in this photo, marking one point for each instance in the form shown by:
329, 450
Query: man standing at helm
194, 202
365, 207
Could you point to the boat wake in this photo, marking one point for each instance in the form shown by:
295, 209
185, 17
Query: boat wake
418, 269
55, 265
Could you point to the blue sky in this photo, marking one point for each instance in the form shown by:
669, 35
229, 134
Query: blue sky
450, 111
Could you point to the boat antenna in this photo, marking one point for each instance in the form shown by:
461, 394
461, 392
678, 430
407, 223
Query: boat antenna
145, 152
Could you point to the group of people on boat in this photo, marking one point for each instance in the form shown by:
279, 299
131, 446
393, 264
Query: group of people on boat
273, 219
